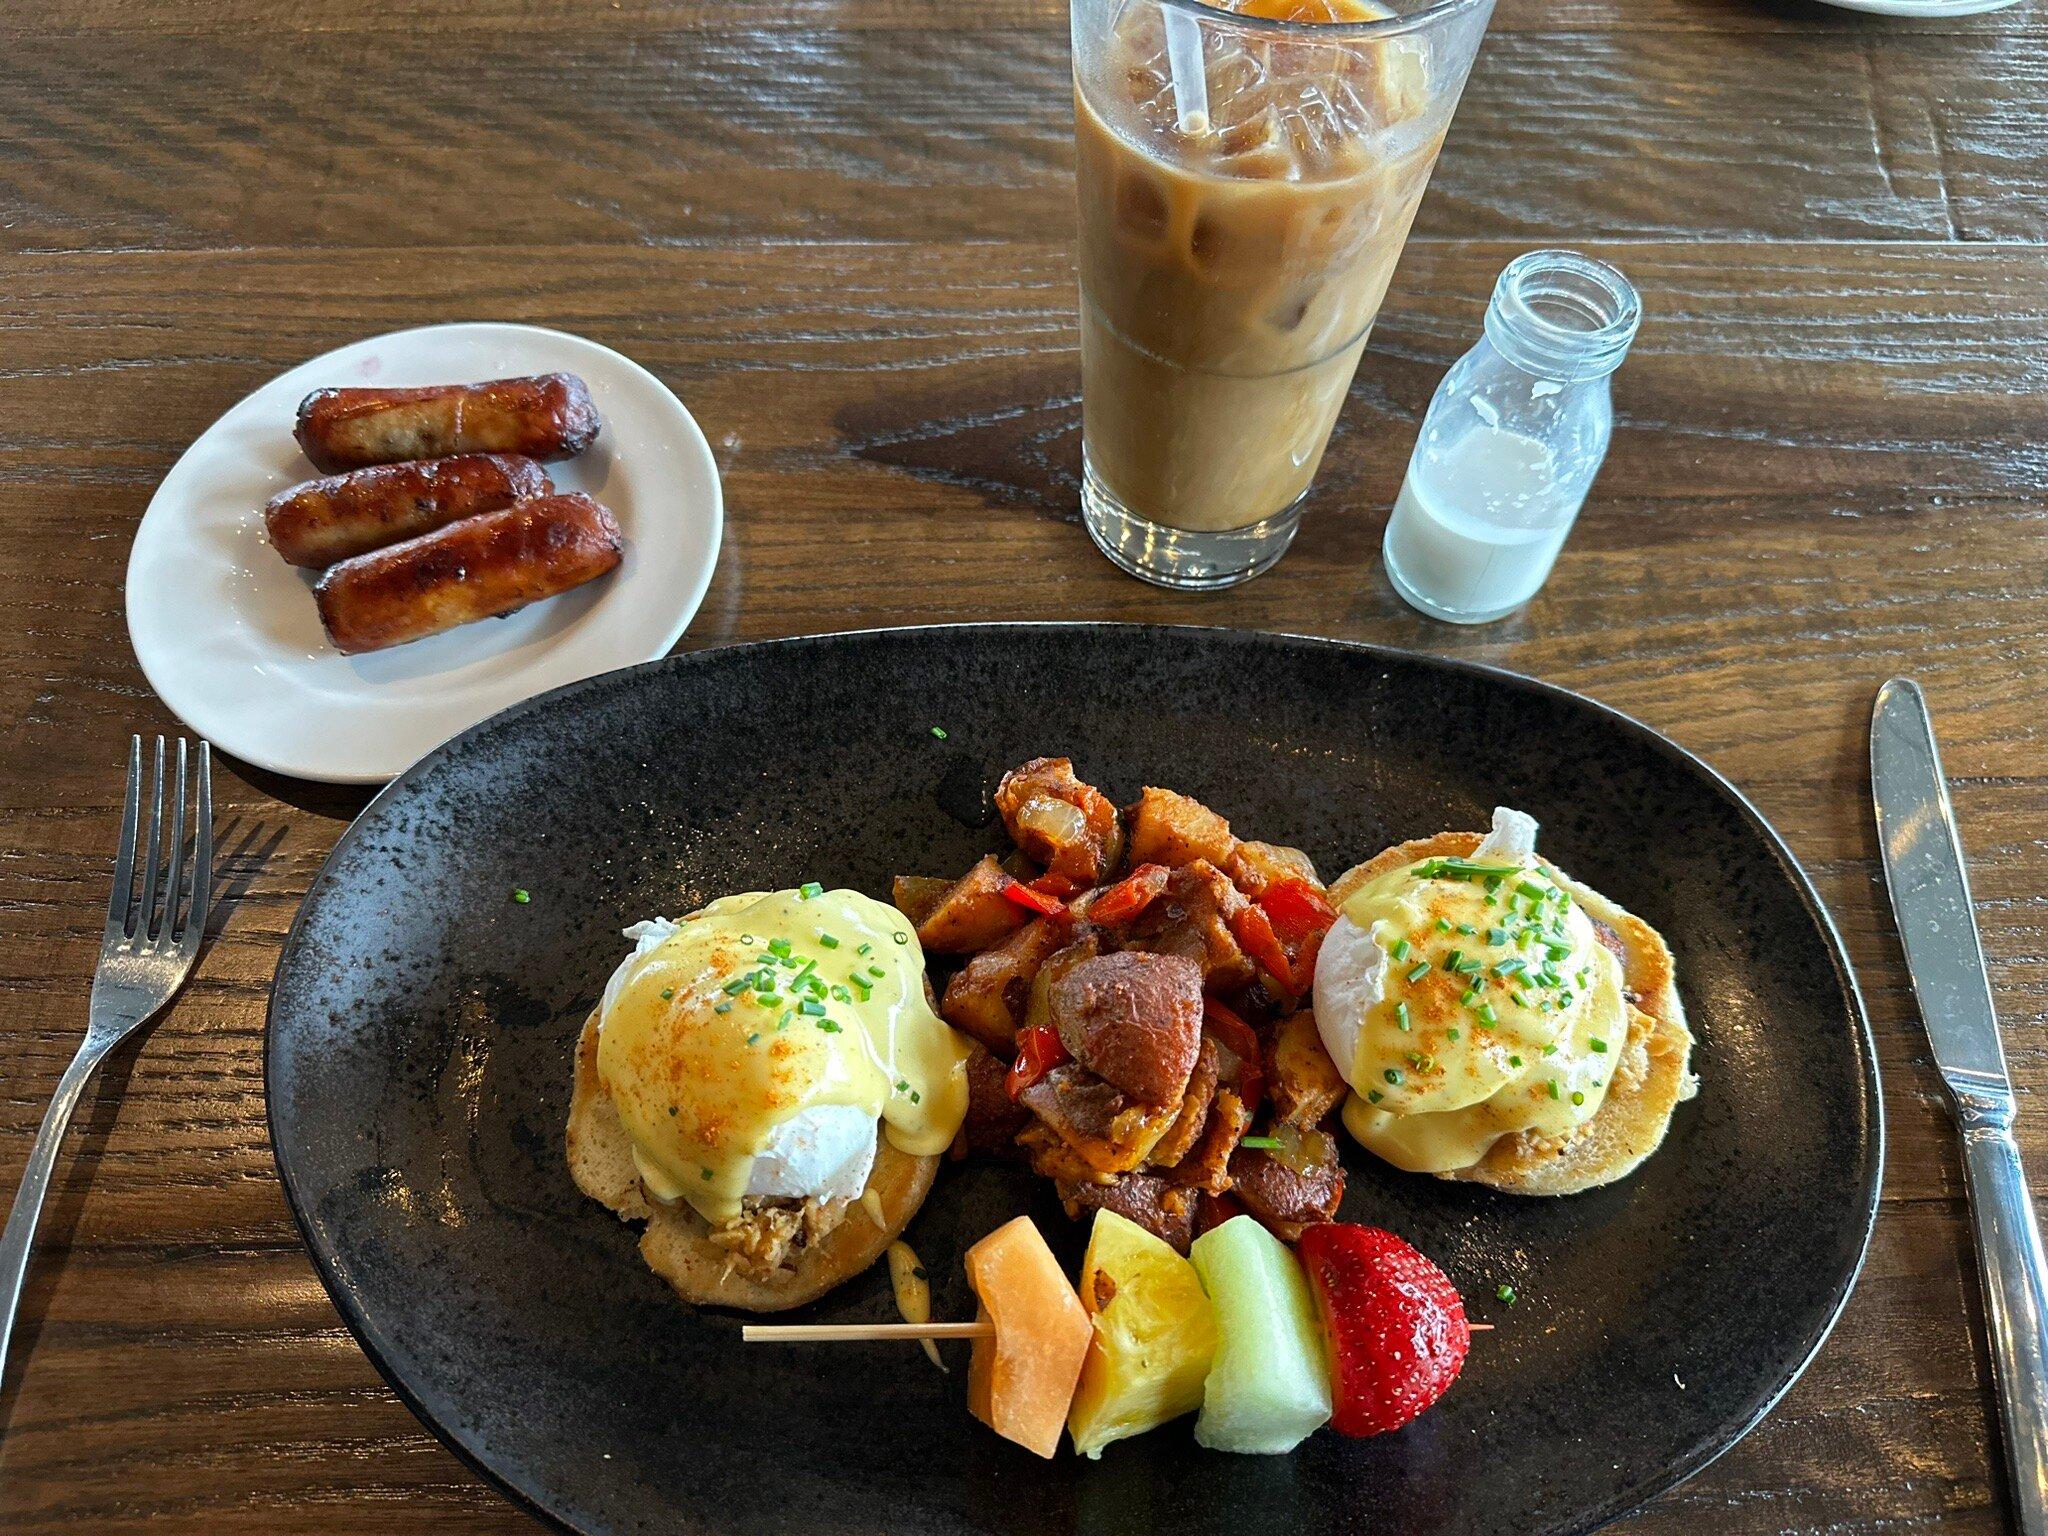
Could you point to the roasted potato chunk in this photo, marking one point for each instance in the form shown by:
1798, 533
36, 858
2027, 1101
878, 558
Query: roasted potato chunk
1171, 829
972, 913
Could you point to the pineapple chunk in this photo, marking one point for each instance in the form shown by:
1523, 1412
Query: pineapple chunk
1154, 1335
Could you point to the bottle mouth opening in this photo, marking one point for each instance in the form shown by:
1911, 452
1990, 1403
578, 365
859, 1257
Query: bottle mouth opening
1564, 312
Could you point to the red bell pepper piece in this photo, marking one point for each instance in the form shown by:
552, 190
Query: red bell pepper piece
1242, 1041
1283, 931
1031, 899
1297, 910
1039, 1050
1130, 895
1253, 931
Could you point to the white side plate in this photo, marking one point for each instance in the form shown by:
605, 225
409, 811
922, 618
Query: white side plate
1923, 8
226, 631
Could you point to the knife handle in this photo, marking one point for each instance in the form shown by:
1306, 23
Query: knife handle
2014, 1273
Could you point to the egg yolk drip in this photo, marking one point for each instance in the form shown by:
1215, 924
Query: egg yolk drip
762, 1006
1500, 1011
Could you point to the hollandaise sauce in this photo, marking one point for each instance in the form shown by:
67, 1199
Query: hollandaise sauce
1498, 1011
762, 1006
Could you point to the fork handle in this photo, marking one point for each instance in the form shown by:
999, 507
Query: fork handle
20, 1235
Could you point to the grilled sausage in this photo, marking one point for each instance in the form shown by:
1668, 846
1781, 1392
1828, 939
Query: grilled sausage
339, 517
545, 417
478, 568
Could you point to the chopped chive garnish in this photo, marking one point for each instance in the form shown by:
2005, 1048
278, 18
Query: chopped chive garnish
811, 1008
667, 993
1598, 1044
1401, 1015
828, 1026
828, 940
1577, 1097
1521, 999
755, 1038
1443, 925
1454, 960
1393, 1076
1451, 1034
841, 995
778, 946
1530, 889
1419, 972
865, 949
1551, 1049
1468, 999
1468, 930
900, 938
1511, 967
1487, 1015
723, 1008
902, 1086
1497, 937
1373, 1096
707, 1175
1400, 949
877, 972
1514, 1061
737, 984
520, 896
768, 999
939, 731
1504, 1293
1555, 1091
809, 889
1259, 1143
746, 938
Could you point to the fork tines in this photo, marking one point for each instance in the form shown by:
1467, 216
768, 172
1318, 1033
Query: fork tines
167, 913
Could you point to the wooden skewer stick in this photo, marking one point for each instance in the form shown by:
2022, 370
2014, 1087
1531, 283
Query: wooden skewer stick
846, 1333
856, 1333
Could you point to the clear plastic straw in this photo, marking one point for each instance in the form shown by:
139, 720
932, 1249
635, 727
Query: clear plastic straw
1190, 79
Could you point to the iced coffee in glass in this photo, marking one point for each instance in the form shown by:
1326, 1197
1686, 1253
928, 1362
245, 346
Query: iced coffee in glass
1247, 173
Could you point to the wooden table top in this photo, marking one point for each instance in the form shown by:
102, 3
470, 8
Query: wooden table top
842, 231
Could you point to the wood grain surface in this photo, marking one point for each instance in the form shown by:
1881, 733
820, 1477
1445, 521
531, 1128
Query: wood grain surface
840, 229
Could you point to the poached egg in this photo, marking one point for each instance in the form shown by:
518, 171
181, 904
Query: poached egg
760, 1045
1467, 999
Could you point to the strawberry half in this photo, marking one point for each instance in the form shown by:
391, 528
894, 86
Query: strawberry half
1394, 1323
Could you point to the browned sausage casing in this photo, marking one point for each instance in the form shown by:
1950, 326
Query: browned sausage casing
548, 416
338, 517
478, 568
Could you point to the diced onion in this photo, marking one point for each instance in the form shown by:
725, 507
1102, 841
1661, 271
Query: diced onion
913, 1292
1055, 820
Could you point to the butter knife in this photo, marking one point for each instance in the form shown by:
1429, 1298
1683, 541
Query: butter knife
1923, 866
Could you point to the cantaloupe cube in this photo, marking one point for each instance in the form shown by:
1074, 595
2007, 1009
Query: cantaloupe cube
1020, 1382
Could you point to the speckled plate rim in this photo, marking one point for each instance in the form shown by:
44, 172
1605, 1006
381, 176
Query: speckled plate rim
1862, 1043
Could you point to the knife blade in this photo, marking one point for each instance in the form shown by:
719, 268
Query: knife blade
1923, 866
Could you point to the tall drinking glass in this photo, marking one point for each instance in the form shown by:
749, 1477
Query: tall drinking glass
1248, 172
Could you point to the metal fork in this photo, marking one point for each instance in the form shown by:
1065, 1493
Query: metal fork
152, 938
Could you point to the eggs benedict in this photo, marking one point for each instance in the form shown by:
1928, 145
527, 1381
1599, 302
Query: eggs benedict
765, 1084
1497, 1021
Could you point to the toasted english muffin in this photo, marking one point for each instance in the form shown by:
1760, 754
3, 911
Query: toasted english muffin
677, 1243
1652, 1074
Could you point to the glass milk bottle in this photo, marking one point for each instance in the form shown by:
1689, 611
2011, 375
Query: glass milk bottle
1512, 440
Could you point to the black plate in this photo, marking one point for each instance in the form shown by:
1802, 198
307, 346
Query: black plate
421, 1026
